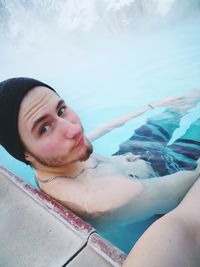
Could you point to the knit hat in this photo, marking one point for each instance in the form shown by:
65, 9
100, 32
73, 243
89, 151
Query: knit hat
12, 92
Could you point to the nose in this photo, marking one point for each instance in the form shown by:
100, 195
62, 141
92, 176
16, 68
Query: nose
70, 130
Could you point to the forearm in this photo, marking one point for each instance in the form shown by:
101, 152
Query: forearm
167, 191
153, 196
123, 119
158, 196
116, 123
128, 201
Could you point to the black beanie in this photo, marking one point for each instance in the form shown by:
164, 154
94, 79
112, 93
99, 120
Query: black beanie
12, 92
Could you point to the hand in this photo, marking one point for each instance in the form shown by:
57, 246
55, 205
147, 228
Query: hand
168, 101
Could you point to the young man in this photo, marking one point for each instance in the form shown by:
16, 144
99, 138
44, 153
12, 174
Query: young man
40, 129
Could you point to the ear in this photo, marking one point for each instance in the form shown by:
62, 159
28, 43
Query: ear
28, 157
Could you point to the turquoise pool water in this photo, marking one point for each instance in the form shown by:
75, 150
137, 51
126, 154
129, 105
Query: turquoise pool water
104, 73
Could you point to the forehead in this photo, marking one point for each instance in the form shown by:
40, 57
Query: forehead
37, 97
35, 101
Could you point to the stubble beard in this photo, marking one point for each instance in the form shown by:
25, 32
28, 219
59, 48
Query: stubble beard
88, 151
60, 161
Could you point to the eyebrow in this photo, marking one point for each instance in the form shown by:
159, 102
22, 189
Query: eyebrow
44, 117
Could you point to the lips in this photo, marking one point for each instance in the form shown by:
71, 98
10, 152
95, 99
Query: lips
79, 142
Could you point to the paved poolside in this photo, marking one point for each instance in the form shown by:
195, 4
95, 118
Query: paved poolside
37, 231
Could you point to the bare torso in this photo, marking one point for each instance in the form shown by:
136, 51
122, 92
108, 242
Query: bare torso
111, 186
104, 177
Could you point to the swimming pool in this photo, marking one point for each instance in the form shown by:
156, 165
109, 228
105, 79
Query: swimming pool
113, 67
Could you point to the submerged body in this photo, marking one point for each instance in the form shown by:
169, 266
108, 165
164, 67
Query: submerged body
105, 190
108, 195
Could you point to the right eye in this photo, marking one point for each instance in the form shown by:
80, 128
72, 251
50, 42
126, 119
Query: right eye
61, 111
44, 129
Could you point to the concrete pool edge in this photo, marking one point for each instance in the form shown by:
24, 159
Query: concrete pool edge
84, 230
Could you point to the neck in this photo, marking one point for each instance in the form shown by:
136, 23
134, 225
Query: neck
70, 169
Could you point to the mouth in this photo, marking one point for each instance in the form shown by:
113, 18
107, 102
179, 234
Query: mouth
80, 141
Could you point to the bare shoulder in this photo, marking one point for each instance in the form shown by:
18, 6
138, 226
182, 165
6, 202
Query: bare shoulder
95, 197
68, 192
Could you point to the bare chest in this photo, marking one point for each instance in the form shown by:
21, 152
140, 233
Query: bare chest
126, 165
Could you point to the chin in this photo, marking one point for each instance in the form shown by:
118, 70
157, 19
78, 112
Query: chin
87, 153
84, 158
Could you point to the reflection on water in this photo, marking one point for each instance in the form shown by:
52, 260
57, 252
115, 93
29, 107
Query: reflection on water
105, 57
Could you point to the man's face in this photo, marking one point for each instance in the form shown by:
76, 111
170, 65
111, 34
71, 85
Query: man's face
50, 130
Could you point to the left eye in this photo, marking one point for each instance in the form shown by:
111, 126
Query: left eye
61, 111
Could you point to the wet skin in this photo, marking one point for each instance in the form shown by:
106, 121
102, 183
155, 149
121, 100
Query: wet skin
51, 131
55, 145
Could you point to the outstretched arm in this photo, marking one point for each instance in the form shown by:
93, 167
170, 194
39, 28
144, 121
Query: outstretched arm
123, 119
141, 200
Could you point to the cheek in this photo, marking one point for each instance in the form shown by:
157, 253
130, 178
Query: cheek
48, 148
52, 145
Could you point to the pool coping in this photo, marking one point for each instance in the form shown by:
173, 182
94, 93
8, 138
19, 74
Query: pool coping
83, 229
